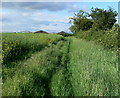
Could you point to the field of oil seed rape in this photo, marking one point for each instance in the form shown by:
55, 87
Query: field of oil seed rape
14, 46
52, 65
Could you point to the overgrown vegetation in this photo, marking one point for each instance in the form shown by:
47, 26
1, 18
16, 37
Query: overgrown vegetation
17, 46
109, 39
70, 67
66, 34
55, 65
36, 76
100, 27
94, 70
80, 22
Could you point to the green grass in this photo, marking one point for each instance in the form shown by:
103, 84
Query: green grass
62, 67
35, 76
94, 70
17, 46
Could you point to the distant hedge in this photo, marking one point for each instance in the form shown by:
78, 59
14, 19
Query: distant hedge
66, 34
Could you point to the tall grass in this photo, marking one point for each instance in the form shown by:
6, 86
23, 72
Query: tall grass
65, 67
36, 76
16, 46
94, 70
19, 47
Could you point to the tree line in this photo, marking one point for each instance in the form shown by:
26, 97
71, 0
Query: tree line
99, 25
98, 19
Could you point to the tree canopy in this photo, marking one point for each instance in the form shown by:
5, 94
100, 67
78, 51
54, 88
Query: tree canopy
80, 21
103, 19
99, 19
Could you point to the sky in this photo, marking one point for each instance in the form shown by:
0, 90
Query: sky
52, 17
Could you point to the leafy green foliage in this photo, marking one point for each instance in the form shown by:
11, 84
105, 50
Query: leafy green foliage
101, 22
80, 22
66, 34
109, 39
103, 19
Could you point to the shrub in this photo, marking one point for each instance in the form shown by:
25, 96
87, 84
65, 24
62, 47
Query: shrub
109, 39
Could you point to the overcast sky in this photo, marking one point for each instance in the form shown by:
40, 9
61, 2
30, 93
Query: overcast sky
48, 16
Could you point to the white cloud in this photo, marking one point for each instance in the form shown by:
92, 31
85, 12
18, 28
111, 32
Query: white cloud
1, 14
51, 17
60, 19
53, 27
74, 8
117, 20
85, 8
59, 27
49, 6
26, 14
38, 14
33, 21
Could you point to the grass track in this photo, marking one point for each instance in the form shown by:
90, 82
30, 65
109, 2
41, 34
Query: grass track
94, 70
35, 77
71, 67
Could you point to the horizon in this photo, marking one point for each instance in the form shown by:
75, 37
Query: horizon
46, 16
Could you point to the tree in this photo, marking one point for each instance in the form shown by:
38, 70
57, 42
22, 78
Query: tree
80, 22
103, 19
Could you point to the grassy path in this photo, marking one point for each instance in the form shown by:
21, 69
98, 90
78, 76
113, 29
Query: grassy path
72, 67
37, 75
94, 70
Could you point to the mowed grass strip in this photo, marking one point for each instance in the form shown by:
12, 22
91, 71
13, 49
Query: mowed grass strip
94, 70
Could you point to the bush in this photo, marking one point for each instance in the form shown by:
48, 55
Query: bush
109, 38
66, 34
